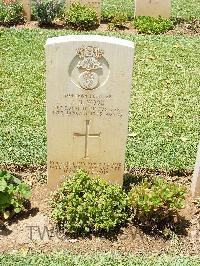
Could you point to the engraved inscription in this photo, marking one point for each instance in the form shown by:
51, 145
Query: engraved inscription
100, 111
94, 3
94, 168
87, 105
87, 135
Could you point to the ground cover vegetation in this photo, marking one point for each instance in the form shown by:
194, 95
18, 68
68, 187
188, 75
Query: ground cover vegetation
96, 259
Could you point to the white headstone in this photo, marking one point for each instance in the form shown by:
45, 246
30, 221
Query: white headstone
88, 91
153, 8
196, 176
95, 4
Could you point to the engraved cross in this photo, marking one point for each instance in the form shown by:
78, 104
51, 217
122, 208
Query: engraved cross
87, 135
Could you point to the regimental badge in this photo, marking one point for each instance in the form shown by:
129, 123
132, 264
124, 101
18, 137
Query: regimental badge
89, 63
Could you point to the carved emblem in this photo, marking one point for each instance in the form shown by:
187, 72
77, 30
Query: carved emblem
89, 62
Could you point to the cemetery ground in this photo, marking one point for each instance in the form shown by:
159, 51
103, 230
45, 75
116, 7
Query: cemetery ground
163, 133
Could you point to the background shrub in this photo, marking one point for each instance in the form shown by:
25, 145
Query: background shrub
118, 21
150, 25
81, 17
11, 13
45, 11
84, 204
110, 8
157, 200
13, 193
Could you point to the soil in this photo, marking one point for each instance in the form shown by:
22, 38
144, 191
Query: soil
33, 229
181, 27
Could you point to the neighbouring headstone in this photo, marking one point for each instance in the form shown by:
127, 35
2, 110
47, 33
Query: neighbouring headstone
195, 188
153, 8
88, 90
95, 4
26, 7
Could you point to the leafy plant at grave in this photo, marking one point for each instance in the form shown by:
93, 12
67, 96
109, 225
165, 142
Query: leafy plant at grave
11, 13
156, 201
13, 193
118, 21
81, 17
150, 25
84, 204
45, 11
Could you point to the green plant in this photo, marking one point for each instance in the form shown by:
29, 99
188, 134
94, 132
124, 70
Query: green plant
110, 8
13, 193
81, 17
84, 204
65, 257
150, 25
157, 200
46, 11
11, 13
118, 21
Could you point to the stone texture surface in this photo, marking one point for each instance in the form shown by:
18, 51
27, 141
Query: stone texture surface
153, 8
195, 188
88, 90
96, 4
27, 9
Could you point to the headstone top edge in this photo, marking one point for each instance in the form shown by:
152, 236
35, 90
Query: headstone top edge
89, 38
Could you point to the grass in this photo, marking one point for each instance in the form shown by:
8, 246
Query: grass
165, 83
180, 8
97, 260
164, 112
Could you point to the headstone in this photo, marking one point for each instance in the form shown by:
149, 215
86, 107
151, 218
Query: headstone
27, 9
196, 176
95, 4
88, 91
153, 8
